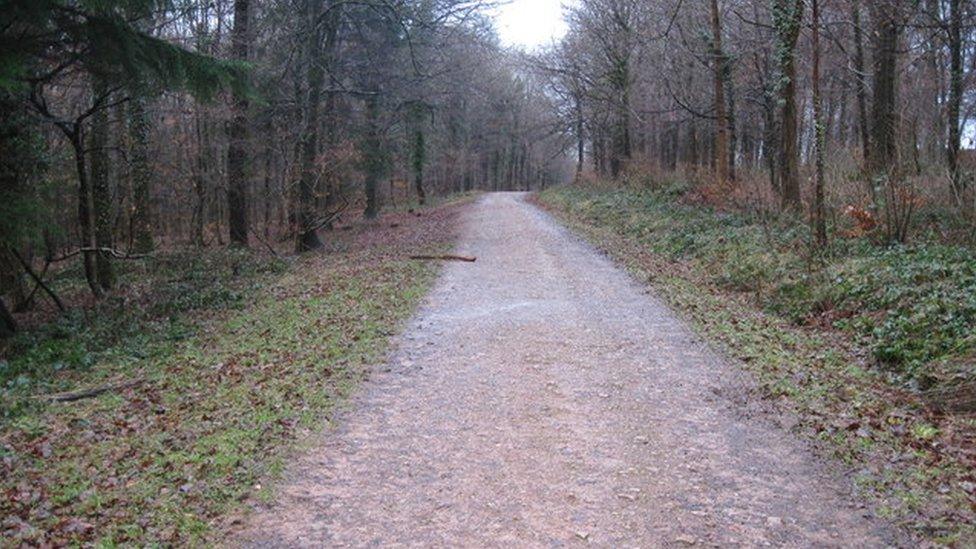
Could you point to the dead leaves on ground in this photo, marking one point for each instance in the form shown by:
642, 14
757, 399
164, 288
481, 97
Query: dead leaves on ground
162, 461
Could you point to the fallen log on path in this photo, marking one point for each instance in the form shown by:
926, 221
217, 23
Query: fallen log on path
465, 258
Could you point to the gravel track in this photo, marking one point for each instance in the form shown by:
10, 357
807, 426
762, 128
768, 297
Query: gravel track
543, 398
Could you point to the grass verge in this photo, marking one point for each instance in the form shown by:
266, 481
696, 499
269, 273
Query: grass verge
847, 347
235, 355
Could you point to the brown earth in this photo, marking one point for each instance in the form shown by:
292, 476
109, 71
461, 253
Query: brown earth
541, 397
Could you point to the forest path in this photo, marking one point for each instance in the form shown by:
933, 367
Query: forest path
541, 397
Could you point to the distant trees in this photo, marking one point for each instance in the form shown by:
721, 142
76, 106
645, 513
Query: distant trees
201, 123
863, 103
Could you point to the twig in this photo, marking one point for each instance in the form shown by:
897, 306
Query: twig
93, 392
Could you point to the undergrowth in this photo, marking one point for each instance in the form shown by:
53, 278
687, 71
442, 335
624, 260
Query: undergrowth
914, 307
228, 357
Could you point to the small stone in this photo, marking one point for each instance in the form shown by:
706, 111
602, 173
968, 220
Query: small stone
583, 535
774, 522
686, 539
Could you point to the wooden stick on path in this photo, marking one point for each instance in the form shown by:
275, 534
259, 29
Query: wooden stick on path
465, 258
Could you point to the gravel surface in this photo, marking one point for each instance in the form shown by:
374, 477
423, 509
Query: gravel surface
543, 398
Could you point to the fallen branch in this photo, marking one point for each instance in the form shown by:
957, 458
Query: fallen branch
109, 251
39, 279
468, 259
93, 392
41, 275
267, 245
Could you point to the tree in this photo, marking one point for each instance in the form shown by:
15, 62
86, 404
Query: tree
101, 195
819, 209
954, 106
787, 18
860, 88
418, 157
47, 45
322, 28
21, 159
139, 129
722, 173
238, 133
884, 117
8, 325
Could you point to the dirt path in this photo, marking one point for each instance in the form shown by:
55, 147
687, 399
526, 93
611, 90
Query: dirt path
543, 398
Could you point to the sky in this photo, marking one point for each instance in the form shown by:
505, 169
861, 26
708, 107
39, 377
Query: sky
530, 23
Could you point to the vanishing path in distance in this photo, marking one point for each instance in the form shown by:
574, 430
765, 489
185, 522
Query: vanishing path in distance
541, 398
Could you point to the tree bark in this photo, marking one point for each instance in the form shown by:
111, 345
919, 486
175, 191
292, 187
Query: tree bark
884, 118
139, 127
787, 17
8, 326
85, 220
859, 87
308, 238
101, 193
955, 93
621, 149
238, 134
819, 211
419, 159
580, 135
373, 157
721, 118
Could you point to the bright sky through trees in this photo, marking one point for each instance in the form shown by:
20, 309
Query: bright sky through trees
531, 23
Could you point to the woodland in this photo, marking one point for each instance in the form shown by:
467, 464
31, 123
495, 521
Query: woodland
163, 163
136, 126
133, 126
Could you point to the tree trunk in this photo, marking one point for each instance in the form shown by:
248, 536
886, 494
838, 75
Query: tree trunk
730, 115
101, 194
373, 157
955, 93
85, 221
308, 238
819, 211
419, 158
884, 119
8, 326
139, 127
721, 119
787, 18
860, 88
580, 136
238, 135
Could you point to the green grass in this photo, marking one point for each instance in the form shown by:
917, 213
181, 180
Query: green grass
238, 355
845, 342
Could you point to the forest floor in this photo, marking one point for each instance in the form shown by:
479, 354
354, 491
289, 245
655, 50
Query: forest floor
864, 351
544, 397
219, 361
